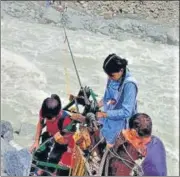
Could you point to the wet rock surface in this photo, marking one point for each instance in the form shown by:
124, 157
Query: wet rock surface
14, 162
6, 130
5, 146
17, 163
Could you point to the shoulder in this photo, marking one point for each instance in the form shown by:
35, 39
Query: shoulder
156, 141
63, 120
130, 79
130, 86
156, 145
64, 113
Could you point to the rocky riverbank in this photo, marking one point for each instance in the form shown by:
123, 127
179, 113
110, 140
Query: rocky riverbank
157, 21
157, 11
118, 26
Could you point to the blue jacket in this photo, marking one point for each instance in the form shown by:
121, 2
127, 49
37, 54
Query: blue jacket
124, 108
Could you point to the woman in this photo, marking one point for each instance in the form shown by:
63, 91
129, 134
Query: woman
119, 101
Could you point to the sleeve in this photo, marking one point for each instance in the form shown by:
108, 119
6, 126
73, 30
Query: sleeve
129, 101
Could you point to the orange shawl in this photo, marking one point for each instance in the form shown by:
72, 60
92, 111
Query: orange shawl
138, 142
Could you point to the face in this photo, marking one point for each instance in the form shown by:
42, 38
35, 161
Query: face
116, 76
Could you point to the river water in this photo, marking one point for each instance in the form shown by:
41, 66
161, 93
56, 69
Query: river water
35, 62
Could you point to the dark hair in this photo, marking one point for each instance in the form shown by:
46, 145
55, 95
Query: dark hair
56, 97
51, 107
114, 63
142, 123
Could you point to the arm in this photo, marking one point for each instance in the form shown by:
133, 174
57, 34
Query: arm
128, 103
37, 136
38, 131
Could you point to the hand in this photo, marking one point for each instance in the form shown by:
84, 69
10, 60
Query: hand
109, 145
71, 97
75, 116
34, 146
78, 117
101, 115
59, 138
113, 101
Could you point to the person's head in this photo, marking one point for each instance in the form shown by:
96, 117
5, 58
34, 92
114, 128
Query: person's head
51, 107
142, 123
115, 66
56, 97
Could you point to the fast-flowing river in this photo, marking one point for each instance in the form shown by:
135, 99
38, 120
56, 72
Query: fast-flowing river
35, 62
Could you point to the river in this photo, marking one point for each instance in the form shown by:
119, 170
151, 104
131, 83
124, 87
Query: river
35, 62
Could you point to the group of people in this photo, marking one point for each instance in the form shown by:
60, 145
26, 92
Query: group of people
119, 114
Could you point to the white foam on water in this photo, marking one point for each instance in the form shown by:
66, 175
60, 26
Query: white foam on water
22, 84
